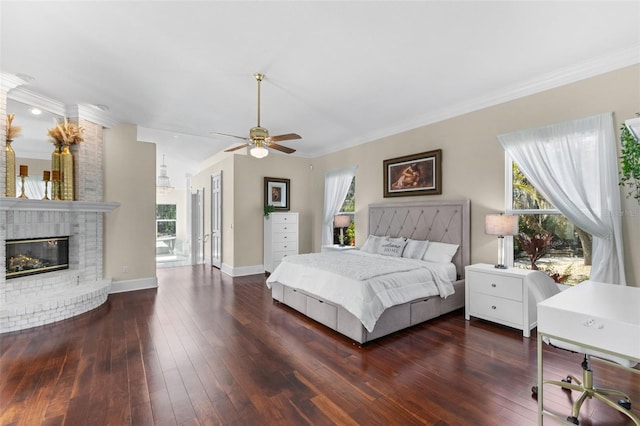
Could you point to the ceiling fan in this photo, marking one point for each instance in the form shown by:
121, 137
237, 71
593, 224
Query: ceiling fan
259, 138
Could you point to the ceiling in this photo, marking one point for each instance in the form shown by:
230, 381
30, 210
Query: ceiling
337, 73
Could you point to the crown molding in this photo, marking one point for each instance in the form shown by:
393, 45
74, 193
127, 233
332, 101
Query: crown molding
10, 81
87, 112
29, 97
92, 114
617, 60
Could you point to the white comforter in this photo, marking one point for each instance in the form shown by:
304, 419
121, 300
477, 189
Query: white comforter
364, 284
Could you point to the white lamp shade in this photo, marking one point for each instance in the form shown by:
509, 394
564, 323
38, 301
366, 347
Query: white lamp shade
259, 152
341, 221
501, 224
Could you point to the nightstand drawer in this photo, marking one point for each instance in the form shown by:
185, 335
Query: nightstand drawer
496, 308
496, 285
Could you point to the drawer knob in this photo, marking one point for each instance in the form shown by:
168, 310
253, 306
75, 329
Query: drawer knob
493, 285
493, 307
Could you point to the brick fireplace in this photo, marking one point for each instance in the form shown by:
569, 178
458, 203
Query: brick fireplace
34, 300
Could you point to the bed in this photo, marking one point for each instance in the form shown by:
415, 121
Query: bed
314, 284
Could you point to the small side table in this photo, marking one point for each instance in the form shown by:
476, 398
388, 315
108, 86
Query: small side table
501, 296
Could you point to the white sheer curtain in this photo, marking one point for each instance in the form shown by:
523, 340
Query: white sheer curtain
575, 166
33, 188
336, 186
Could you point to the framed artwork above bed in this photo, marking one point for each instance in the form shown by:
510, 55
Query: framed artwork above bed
416, 174
276, 193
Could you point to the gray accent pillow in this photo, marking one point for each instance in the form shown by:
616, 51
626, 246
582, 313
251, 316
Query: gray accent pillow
392, 247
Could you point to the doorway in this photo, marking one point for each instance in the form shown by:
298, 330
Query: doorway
216, 219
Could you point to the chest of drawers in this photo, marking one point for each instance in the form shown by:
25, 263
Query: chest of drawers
280, 238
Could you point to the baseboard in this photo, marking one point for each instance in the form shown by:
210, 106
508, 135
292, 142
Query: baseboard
133, 285
242, 270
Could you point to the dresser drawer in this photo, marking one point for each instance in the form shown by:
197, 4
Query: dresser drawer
278, 255
282, 218
284, 227
283, 237
496, 309
496, 285
284, 246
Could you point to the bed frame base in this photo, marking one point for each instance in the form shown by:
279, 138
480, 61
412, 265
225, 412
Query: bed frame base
393, 319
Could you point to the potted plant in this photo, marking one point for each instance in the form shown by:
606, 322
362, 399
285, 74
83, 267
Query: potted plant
268, 209
630, 163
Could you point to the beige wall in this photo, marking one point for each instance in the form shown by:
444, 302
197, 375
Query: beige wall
129, 178
473, 160
473, 168
243, 195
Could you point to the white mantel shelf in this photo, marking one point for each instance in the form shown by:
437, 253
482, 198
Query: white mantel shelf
8, 204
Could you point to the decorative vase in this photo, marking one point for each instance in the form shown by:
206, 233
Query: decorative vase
66, 173
10, 172
55, 173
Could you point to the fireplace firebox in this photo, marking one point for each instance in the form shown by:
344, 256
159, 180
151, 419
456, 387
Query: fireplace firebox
36, 256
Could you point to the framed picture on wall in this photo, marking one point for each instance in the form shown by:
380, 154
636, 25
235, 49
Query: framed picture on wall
276, 193
416, 174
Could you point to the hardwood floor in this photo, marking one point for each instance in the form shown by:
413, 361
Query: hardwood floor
208, 349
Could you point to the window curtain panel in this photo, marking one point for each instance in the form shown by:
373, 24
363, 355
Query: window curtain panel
33, 188
574, 165
336, 186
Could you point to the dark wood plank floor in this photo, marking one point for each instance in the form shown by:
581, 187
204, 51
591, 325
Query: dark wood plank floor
208, 349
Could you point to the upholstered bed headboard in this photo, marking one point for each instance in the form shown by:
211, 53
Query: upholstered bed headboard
444, 221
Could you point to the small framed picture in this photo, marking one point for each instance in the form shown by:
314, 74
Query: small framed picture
416, 174
276, 193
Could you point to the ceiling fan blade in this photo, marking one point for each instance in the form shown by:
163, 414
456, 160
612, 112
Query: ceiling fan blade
235, 148
284, 149
286, 137
232, 136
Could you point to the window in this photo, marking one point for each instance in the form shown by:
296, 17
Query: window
547, 240
348, 208
165, 220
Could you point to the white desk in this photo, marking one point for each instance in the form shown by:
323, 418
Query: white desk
602, 317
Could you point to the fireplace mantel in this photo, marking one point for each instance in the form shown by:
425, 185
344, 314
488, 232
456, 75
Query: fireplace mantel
7, 204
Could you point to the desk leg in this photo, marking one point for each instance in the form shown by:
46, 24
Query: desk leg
540, 394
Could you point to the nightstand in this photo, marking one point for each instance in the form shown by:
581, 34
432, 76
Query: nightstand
336, 247
501, 296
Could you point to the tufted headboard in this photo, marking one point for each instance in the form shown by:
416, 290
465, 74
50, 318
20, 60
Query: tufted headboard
444, 221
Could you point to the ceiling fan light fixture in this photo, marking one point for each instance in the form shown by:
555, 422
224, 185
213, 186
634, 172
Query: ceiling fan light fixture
258, 151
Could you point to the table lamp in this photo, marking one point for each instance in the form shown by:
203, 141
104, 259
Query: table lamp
341, 221
501, 225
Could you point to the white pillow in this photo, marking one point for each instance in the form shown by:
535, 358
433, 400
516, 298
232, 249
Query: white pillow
392, 247
415, 249
372, 244
440, 252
